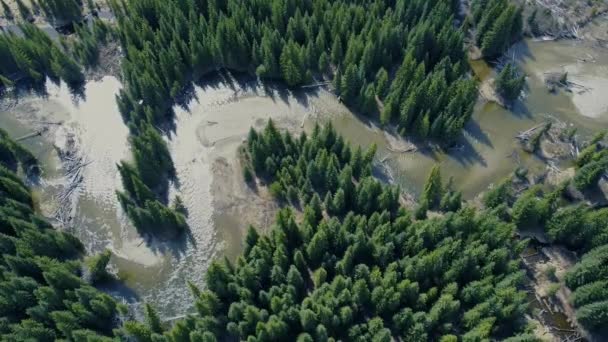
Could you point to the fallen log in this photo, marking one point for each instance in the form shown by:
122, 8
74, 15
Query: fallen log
45, 122
404, 150
316, 84
387, 157
564, 330
31, 135
526, 134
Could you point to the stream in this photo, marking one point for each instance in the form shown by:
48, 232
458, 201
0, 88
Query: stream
212, 126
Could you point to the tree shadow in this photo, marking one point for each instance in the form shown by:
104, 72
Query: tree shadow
118, 289
521, 52
176, 245
520, 109
474, 130
77, 91
465, 153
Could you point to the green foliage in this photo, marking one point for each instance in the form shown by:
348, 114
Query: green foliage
321, 165
498, 24
592, 267
291, 41
152, 320
530, 210
15, 158
89, 38
433, 189
593, 316
247, 174
533, 144
97, 267
499, 194
588, 280
552, 289
592, 162
179, 206
510, 82
361, 270
588, 175
34, 56
592, 292
138, 199
42, 295
579, 227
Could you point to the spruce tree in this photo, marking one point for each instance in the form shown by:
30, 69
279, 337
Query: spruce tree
433, 189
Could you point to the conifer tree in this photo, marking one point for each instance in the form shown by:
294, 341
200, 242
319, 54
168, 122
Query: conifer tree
433, 189
510, 82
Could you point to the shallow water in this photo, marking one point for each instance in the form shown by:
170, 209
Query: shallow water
214, 124
485, 154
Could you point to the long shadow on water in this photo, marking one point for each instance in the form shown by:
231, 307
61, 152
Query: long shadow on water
466, 154
474, 130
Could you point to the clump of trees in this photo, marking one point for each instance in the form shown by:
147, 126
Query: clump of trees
42, 294
592, 163
579, 227
33, 57
294, 41
365, 272
499, 194
141, 204
89, 38
437, 197
534, 207
510, 82
16, 158
498, 23
322, 166
588, 279
97, 267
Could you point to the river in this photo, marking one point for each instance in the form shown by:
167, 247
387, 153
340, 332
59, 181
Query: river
204, 146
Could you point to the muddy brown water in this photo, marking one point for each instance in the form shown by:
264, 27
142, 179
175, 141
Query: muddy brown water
214, 124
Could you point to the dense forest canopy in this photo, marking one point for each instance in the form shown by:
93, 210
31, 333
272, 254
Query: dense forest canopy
396, 52
498, 23
354, 267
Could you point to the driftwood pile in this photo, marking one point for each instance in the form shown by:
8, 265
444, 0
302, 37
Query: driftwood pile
555, 80
73, 165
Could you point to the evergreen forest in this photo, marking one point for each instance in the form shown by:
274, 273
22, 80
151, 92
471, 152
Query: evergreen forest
402, 63
43, 296
344, 259
356, 266
33, 57
383, 58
